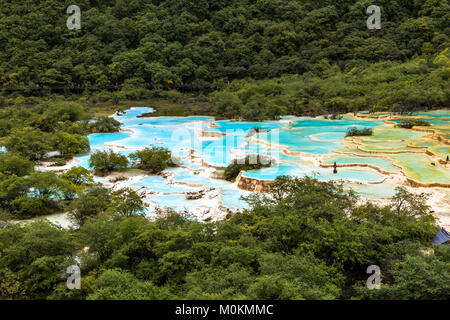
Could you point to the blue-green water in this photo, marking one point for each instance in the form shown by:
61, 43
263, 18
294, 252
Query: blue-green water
302, 170
379, 162
183, 136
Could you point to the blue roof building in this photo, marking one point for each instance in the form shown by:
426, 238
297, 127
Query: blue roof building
441, 237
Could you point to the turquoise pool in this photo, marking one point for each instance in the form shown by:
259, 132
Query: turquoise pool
315, 137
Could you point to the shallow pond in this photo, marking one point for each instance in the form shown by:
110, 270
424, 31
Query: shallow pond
195, 139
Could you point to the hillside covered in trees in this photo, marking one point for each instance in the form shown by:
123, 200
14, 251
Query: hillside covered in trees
304, 240
208, 43
236, 59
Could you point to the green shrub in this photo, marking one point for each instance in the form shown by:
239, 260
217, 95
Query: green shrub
104, 125
238, 165
58, 162
90, 202
70, 144
127, 202
13, 164
353, 131
29, 207
334, 117
154, 159
105, 161
409, 123
29, 142
78, 176
256, 130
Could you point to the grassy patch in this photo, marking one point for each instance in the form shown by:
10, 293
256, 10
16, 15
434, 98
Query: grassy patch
180, 109
163, 107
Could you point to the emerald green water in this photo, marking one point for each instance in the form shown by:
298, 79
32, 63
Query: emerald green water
392, 133
419, 167
311, 140
379, 162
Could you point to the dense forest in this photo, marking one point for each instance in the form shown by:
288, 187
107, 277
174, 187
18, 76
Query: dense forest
243, 60
173, 42
336, 63
303, 240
